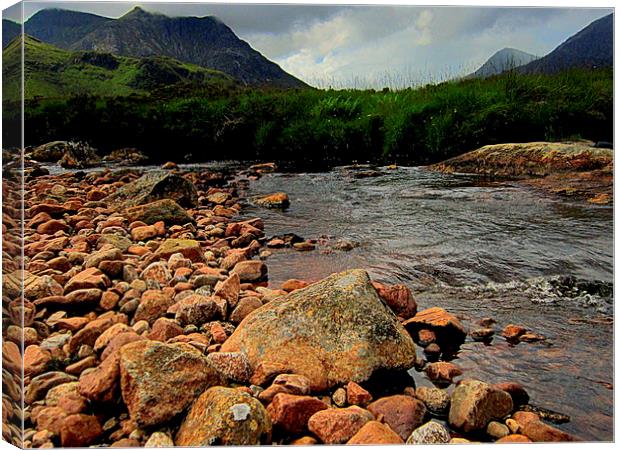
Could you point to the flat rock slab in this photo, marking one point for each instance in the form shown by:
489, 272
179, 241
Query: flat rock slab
334, 331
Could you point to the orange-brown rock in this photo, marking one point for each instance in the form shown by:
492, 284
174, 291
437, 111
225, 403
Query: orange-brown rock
293, 284
513, 438
91, 278
153, 305
399, 298
337, 426
447, 327
36, 360
517, 392
229, 289
402, 413
275, 200
321, 331
538, 431
79, 430
375, 433
291, 413
357, 395
512, 332
250, 271
164, 329
442, 372
101, 383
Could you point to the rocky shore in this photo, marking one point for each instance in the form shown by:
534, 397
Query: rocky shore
149, 320
573, 169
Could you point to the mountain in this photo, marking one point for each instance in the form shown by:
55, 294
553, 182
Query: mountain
203, 41
53, 72
504, 59
10, 30
592, 47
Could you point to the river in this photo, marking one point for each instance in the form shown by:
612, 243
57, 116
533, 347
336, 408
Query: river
478, 249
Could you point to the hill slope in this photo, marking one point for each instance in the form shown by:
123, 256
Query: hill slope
591, 47
54, 72
203, 41
504, 59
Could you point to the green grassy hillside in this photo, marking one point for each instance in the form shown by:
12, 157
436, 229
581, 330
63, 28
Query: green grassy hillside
51, 72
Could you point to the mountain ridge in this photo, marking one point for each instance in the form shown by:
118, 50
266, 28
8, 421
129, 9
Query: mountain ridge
591, 47
140, 33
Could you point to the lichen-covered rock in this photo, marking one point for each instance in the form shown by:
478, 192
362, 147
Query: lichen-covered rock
158, 381
334, 331
475, 403
187, 247
224, 416
437, 400
166, 210
79, 155
430, 433
152, 186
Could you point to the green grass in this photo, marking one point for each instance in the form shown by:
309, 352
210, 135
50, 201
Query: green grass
50, 72
325, 127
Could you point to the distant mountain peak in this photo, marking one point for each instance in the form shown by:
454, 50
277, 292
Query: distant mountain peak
137, 12
505, 59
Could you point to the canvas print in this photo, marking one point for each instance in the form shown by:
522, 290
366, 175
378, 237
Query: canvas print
300, 224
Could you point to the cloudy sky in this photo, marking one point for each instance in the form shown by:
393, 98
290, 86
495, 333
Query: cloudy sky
361, 46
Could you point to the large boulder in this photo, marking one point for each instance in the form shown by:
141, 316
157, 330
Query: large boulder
50, 152
79, 155
474, 404
165, 210
224, 416
333, 332
152, 186
158, 381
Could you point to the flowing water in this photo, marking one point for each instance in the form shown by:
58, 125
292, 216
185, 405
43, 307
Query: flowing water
478, 249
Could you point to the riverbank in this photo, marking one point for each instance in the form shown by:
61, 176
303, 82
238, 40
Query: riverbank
129, 294
573, 169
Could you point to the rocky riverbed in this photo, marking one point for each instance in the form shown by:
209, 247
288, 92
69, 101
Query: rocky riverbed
149, 320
